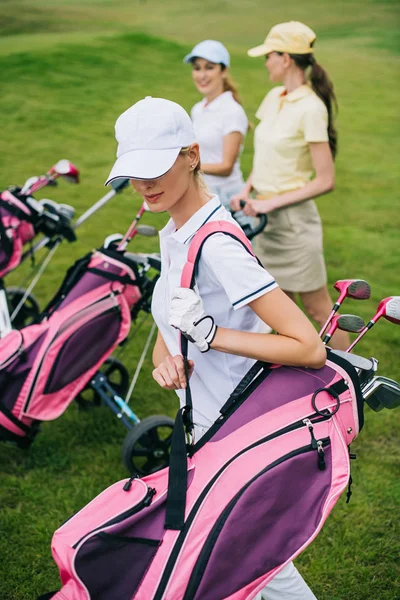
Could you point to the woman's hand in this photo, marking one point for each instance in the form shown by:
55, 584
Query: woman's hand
243, 195
257, 207
170, 374
187, 314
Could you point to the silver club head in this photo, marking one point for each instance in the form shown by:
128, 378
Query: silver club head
381, 392
28, 184
114, 238
67, 211
351, 323
358, 362
146, 230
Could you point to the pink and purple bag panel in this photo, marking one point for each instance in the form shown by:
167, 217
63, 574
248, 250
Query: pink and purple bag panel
258, 487
261, 483
16, 229
44, 366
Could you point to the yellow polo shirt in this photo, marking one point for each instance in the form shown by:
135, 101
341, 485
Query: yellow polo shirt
288, 123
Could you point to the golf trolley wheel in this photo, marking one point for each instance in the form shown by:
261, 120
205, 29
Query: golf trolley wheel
28, 312
146, 447
118, 378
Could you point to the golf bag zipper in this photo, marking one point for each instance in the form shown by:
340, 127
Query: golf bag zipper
182, 536
144, 503
58, 333
204, 556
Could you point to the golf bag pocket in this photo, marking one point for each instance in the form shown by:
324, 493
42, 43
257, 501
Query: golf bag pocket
16, 229
75, 348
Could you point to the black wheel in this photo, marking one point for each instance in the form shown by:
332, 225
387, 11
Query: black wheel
146, 447
117, 376
29, 311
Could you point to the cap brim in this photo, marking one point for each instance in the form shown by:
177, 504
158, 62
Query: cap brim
143, 164
189, 57
259, 50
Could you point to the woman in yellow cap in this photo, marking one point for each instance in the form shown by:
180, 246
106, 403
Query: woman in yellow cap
295, 138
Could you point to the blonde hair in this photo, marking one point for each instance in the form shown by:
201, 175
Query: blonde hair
230, 86
197, 172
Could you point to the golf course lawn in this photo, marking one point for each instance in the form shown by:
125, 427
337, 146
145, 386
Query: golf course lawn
68, 69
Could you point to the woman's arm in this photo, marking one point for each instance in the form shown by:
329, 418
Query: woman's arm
297, 344
323, 183
231, 149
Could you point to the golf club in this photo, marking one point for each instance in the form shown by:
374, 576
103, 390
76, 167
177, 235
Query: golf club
351, 323
358, 289
63, 168
381, 392
389, 309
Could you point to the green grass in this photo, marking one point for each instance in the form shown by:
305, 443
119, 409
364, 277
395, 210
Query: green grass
68, 69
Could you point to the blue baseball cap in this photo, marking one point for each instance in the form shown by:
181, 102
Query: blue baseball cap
209, 50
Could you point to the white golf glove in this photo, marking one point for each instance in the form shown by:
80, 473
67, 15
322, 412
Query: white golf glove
187, 314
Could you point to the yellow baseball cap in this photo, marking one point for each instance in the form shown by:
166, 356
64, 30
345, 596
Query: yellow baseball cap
292, 37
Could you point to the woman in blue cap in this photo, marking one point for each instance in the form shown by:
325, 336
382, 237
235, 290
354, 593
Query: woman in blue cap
219, 119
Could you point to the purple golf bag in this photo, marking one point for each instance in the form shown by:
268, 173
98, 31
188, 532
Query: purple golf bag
232, 510
44, 366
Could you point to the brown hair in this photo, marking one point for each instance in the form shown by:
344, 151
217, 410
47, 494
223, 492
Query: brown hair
323, 87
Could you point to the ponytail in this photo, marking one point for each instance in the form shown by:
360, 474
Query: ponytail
323, 87
229, 86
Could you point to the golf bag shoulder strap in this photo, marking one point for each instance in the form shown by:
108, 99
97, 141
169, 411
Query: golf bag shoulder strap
198, 240
177, 480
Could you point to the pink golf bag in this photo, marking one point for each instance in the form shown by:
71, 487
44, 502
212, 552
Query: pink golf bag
44, 366
232, 509
21, 219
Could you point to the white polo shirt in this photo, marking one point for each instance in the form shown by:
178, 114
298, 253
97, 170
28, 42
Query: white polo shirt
212, 122
228, 279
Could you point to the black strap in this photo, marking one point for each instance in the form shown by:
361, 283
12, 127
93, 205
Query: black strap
112, 276
242, 385
177, 476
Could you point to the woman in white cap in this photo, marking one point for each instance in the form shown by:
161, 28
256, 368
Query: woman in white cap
157, 150
219, 120
295, 138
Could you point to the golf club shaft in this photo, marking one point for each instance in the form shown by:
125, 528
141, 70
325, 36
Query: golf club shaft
363, 332
335, 308
132, 229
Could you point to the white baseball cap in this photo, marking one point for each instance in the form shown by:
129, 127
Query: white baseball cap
209, 50
150, 135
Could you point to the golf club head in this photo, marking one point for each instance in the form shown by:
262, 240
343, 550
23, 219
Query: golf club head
358, 289
382, 392
351, 323
67, 170
28, 184
114, 238
67, 211
389, 308
146, 230
358, 362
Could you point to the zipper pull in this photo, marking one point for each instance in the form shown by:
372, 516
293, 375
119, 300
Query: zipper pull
128, 484
308, 424
321, 456
150, 493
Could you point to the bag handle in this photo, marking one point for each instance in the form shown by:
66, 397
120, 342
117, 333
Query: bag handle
177, 476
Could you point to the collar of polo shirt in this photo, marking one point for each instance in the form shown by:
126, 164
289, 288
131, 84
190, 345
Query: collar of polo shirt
187, 231
301, 92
